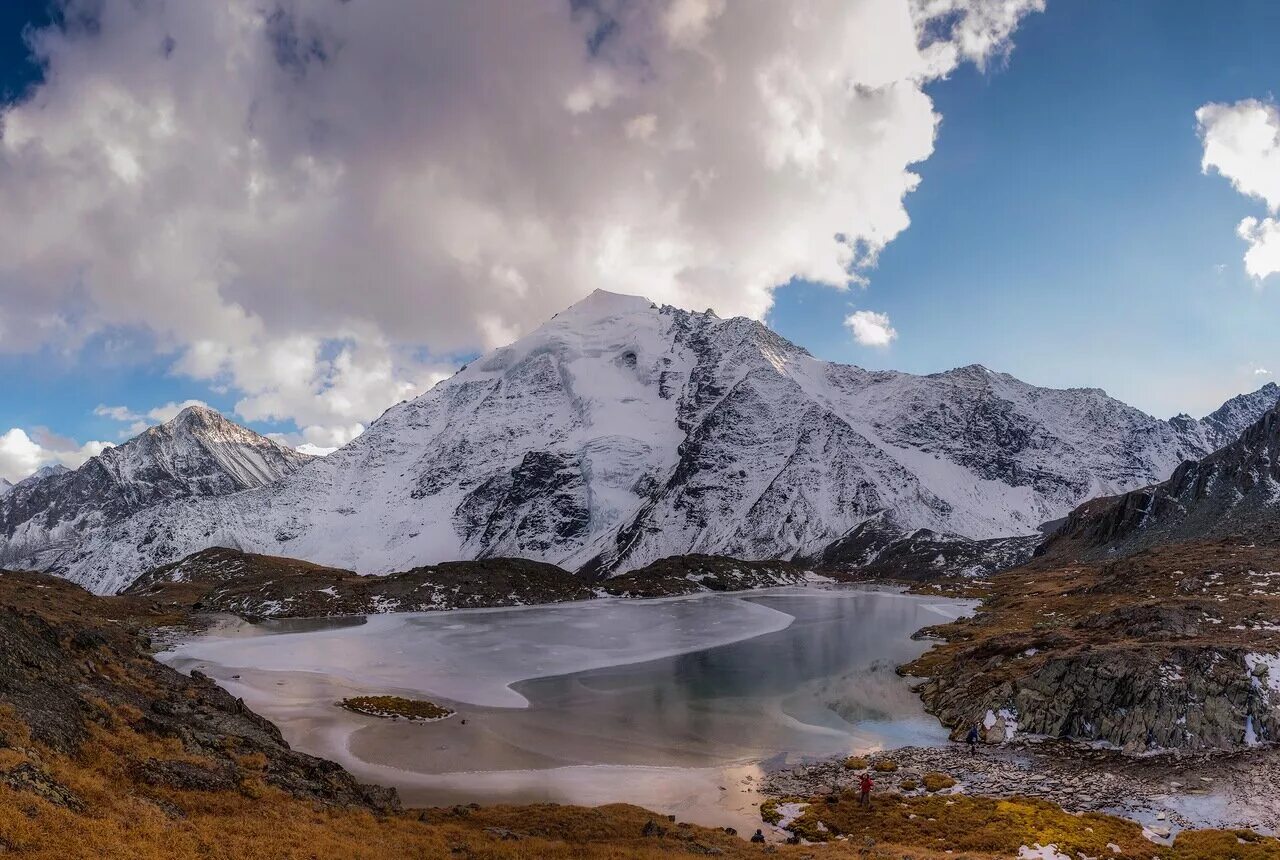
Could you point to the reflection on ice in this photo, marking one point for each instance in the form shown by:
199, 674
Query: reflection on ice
473, 656
659, 703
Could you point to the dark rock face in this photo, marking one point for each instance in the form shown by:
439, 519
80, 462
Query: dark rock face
877, 549
1186, 698
1234, 491
539, 506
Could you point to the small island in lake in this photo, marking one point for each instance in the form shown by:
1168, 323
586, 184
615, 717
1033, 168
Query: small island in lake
394, 707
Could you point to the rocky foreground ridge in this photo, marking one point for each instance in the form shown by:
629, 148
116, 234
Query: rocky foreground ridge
1172, 648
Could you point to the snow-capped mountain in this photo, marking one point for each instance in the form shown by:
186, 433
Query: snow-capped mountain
199, 453
1234, 491
621, 432
50, 471
5, 487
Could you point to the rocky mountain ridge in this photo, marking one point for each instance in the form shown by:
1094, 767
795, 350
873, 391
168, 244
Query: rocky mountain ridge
621, 432
198, 453
1233, 491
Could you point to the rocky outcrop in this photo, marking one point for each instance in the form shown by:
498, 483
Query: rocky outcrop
260, 586
877, 549
691, 574
1189, 698
1170, 648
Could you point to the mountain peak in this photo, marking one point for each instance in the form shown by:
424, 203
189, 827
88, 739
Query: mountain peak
196, 415
196, 454
47, 472
602, 304
621, 432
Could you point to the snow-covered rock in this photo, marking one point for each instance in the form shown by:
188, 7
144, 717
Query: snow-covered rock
5, 487
621, 432
47, 517
1233, 491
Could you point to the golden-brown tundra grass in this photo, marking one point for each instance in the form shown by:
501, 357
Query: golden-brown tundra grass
117, 813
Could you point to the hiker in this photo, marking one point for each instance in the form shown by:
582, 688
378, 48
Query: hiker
864, 786
758, 836
972, 740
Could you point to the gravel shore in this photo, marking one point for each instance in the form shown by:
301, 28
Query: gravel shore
1167, 793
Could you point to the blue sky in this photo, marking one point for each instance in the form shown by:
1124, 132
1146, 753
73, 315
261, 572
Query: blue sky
1063, 231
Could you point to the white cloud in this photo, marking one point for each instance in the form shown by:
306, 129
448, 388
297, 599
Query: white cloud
116, 413
1263, 236
20, 454
1242, 143
871, 328
1261, 371
140, 421
216, 174
169, 411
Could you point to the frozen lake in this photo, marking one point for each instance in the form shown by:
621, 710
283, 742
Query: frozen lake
671, 704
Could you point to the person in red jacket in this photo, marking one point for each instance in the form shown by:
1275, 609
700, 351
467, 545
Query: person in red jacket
864, 786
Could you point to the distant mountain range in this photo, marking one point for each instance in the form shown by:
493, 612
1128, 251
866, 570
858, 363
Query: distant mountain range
618, 433
1233, 492
45, 518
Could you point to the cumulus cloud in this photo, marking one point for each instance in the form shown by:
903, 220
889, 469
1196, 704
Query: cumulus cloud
1242, 143
21, 454
1261, 371
871, 328
316, 204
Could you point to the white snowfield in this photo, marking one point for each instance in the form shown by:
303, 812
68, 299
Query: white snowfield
621, 432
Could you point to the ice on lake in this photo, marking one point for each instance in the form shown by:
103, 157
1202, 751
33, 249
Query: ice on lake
659, 703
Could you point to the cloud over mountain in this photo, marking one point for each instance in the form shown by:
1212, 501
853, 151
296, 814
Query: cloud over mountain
316, 204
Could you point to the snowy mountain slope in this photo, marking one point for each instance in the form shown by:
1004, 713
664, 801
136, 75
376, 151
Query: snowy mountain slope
5, 487
198, 453
1235, 491
620, 432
